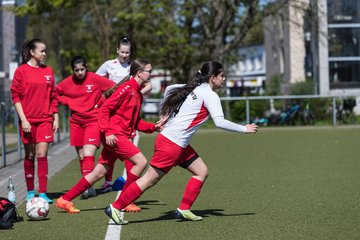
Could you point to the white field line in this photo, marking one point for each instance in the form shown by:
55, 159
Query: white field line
114, 231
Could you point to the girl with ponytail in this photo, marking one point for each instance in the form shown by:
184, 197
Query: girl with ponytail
185, 108
34, 97
118, 70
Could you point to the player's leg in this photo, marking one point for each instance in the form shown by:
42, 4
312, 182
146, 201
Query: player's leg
88, 165
194, 164
29, 170
133, 192
64, 202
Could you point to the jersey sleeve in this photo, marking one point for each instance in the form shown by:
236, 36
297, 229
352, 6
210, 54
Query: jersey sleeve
105, 83
53, 98
16, 87
146, 127
60, 93
102, 71
213, 105
171, 87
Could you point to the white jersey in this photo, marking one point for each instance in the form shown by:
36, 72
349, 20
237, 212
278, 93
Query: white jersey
114, 70
201, 104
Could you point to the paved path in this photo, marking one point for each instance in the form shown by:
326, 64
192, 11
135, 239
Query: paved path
60, 154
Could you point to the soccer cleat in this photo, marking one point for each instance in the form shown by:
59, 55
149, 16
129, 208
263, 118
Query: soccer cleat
106, 187
132, 208
187, 215
115, 215
29, 195
90, 192
43, 195
68, 206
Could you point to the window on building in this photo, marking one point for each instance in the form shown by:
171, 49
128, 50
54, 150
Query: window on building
344, 74
343, 11
344, 42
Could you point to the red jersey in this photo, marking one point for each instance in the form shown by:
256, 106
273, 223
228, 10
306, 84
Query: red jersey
120, 113
34, 88
82, 96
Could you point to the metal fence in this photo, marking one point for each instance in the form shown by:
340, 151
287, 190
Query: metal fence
9, 117
11, 145
334, 107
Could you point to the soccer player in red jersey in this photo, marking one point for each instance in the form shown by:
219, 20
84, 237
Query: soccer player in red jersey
81, 92
185, 109
119, 117
116, 70
34, 97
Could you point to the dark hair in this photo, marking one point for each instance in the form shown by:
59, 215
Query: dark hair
27, 47
136, 65
78, 59
125, 41
176, 97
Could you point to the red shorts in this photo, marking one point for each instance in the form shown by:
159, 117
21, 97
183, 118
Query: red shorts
168, 154
81, 134
40, 132
123, 150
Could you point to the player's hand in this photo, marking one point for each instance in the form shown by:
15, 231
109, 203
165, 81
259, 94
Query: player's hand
56, 123
111, 140
159, 125
26, 126
251, 128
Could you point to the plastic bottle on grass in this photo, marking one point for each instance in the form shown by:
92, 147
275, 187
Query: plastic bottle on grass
11, 191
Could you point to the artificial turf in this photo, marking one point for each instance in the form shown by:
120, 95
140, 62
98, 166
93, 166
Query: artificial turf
281, 183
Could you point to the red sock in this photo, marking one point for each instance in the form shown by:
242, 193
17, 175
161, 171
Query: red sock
88, 165
132, 193
192, 190
128, 165
81, 162
77, 189
29, 170
42, 173
129, 179
109, 173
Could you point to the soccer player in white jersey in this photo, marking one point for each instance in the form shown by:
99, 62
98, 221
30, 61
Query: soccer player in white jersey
117, 70
185, 109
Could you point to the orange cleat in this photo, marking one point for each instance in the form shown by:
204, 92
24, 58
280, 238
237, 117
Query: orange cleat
132, 208
68, 206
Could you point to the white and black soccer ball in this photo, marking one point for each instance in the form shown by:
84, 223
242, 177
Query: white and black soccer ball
37, 208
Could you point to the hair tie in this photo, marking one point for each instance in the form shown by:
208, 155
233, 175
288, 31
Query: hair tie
199, 71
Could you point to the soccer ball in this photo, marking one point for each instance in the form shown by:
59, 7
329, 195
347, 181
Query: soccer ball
37, 208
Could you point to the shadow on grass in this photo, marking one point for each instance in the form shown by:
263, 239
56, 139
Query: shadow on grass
203, 213
55, 195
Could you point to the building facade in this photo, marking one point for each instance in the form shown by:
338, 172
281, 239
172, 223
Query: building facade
248, 74
341, 47
12, 36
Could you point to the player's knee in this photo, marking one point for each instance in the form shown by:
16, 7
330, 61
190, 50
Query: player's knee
141, 162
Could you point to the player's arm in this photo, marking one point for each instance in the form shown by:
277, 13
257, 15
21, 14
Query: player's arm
147, 88
214, 107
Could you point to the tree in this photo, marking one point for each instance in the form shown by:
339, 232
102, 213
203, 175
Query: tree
176, 35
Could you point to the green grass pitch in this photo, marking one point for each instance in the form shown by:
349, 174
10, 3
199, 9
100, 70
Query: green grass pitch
281, 183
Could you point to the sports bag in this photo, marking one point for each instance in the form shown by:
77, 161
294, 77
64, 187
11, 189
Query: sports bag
8, 214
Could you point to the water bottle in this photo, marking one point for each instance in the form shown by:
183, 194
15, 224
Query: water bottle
11, 191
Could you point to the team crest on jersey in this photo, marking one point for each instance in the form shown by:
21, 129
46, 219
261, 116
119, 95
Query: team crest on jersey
193, 96
89, 87
48, 78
